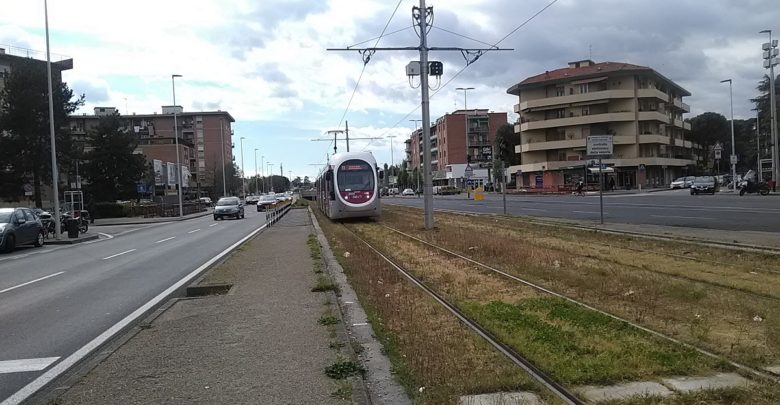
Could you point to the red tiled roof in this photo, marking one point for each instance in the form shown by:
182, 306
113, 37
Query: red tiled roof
568, 73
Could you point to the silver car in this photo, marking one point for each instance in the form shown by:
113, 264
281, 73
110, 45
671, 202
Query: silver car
228, 207
19, 226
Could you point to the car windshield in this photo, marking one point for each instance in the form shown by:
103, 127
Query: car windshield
268, 198
5, 217
228, 201
680, 179
355, 175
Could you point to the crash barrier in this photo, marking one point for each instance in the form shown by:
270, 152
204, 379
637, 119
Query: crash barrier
275, 212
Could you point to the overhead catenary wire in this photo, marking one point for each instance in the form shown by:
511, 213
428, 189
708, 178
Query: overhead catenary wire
365, 63
524, 23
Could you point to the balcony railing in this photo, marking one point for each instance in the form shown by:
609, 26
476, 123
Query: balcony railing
574, 98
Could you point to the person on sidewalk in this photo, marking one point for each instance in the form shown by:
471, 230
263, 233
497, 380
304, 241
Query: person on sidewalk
611, 184
580, 186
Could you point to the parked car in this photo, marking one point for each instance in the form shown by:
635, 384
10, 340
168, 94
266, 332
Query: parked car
704, 185
682, 182
19, 226
206, 200
265, 202
228, 207
449, 190
407, 191
252, 199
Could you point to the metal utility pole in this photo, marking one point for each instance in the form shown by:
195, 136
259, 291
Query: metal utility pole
733, 158
335, 139
422, 17
243, 183
262, 170
257, 175
465, 90
346, 135
770, 60
176, 141
222, 138
270, 174
758, 148
54, 173
392, 159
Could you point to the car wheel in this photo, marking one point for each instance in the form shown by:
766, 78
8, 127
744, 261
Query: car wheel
216, 218
242, 215
39, 240
10, 244
742, 192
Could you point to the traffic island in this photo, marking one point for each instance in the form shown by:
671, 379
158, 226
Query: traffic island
72, 241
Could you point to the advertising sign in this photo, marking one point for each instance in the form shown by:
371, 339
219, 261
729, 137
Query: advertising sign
171, 174
158, 172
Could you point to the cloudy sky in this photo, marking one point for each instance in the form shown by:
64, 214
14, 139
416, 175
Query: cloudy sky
266, 61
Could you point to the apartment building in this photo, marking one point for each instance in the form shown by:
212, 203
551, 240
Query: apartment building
458, 138
205, 139
641, 108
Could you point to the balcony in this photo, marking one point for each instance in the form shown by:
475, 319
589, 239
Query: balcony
679, 104
654, 138
653, 116
652, 93
572, 121
574, 98
551, 145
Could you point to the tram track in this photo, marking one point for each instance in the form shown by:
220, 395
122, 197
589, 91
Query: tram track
751, 370
515, 357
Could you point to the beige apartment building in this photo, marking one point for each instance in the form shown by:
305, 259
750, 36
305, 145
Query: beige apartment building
642, 109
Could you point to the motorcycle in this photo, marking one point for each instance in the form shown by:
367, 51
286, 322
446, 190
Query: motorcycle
751, 187
48, 222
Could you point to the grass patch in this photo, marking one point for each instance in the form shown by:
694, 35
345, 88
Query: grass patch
301, 203
328, 320
343, 369
344, 390
580, 346
754, 395
315, 252
324, 284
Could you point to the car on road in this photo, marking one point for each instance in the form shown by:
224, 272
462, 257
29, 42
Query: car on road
265, 202
682, 182
19, 226
408, 191
228, 207
206, 200
251, 199
704, 185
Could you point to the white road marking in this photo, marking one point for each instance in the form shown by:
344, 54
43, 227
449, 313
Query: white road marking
166, 239
213, 225
678, 216
587, 212
88, 348
193, 231
360, 324
25, 365
32, 281
106, 235
119, 254
533, 209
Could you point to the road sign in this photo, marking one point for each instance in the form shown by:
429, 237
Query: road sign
717, 154
733, 159
468, 172
641, 167
599, 145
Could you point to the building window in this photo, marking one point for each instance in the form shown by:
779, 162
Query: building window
583, 88
585, 111
560, 91
561, 155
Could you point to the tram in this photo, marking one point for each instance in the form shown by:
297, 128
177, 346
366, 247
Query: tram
348, 187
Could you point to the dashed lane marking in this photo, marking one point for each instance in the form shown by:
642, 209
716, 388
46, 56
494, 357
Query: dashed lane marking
119, 254
26, 365
166, 239
31, 281
196, 230
213, 225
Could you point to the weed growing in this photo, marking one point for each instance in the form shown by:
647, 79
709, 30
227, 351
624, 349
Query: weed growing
324, 284
343, 369
328, 320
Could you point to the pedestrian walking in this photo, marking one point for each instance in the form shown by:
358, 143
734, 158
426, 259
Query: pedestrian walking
611, 184
580, 186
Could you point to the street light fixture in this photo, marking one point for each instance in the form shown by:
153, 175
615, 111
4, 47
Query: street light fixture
54, 173
733, 157
243, 183
465, 90
176, 141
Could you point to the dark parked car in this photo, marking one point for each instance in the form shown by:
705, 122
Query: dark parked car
704, 185
228, 207
19, 226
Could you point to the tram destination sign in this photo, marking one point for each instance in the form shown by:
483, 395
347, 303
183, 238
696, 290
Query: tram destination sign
599, 145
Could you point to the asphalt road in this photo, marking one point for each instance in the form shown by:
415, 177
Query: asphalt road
724, 211
53, 300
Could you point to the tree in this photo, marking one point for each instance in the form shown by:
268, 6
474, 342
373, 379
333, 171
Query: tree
24, 123
506, 140
306, 181
710, 128
111, 167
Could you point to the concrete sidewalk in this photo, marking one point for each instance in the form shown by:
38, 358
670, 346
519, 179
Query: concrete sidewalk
258, 344
152, 220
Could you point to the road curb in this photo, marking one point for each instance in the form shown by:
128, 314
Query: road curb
80, 239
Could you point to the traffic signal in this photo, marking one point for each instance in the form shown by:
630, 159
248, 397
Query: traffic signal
435, 68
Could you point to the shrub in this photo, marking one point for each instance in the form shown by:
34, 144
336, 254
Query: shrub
109, 210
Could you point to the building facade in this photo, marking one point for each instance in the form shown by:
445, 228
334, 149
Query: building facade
642, 109
205, 141
460, 137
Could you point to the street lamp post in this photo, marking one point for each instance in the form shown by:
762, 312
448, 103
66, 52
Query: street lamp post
54, 173
262, 170
257, 190
465, 90
733, 150
770, 60
243, 183
270, 174
176, 141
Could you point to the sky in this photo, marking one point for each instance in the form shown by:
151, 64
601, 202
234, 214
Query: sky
266, 61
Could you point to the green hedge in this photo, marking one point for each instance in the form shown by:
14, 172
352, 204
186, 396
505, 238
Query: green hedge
109, 210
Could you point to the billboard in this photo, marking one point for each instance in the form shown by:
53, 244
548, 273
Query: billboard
185, 176
171, 174
158, 172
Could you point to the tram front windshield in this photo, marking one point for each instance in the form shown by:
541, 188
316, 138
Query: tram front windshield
355, 175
